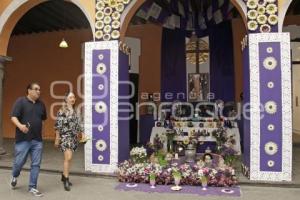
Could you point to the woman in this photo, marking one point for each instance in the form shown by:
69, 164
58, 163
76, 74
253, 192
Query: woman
67, 129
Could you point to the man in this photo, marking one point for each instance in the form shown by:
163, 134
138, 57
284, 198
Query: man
27, 115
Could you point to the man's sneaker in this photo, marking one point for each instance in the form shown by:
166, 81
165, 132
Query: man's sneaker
13, 182
35, 192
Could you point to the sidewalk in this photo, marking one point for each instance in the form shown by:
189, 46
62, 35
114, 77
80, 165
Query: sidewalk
103, 189
53, 162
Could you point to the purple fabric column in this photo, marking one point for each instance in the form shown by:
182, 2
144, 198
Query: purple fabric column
123, 92
246, 95
173, 64
270, 94
221, 61
99, 95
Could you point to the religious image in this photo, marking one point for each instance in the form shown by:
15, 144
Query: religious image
198, 86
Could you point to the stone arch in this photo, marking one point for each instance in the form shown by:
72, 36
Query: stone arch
17, 8
283, 6
134, 6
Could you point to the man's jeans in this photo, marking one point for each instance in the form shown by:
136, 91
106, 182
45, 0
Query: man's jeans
22, 150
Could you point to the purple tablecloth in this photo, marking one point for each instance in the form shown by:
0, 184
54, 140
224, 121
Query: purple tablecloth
195, 190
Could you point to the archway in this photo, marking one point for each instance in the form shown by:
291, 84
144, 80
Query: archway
135, 5
153, 53
17, 8
47, 63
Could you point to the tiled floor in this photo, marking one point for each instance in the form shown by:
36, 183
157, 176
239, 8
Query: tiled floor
53, 161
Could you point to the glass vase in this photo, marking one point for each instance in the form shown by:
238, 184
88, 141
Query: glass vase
152, 183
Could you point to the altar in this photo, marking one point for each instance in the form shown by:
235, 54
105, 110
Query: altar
184, 130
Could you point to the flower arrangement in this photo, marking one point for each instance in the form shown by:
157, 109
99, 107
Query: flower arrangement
229, 155
263, 13
220, 135
138, 154
203, 176
189, 174
158, 143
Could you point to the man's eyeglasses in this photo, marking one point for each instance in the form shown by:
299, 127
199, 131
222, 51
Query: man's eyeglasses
36, 89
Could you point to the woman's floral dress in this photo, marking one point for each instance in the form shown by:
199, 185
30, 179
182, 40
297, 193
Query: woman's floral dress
68, 125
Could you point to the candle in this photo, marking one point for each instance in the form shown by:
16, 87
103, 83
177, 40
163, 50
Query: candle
176, 155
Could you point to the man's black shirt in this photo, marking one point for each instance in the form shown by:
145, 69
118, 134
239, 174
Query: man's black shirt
30, 114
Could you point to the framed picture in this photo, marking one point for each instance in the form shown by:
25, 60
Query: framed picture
198, 86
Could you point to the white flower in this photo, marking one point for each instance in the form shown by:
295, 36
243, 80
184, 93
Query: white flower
270, 50
271, 148
112, 3
101, 145
271, 1
261, 10
100, 107
262, 2
214, 171
107, 19
252, 25
106, 37
107, 28
271, 9
126, 1
120, 7
252, 4
200, 173
273, 19
271, 163
101, 68
262, 19
116, 15
252, 14
115, 34
99, 24
270, 84
265, 28
99, 15
100, 5
108, 11
138, 151
271, 107
270, 63
271, 127
99, 34
115, 24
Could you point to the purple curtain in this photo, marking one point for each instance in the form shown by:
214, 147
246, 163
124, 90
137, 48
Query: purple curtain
173, 64
221, 61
